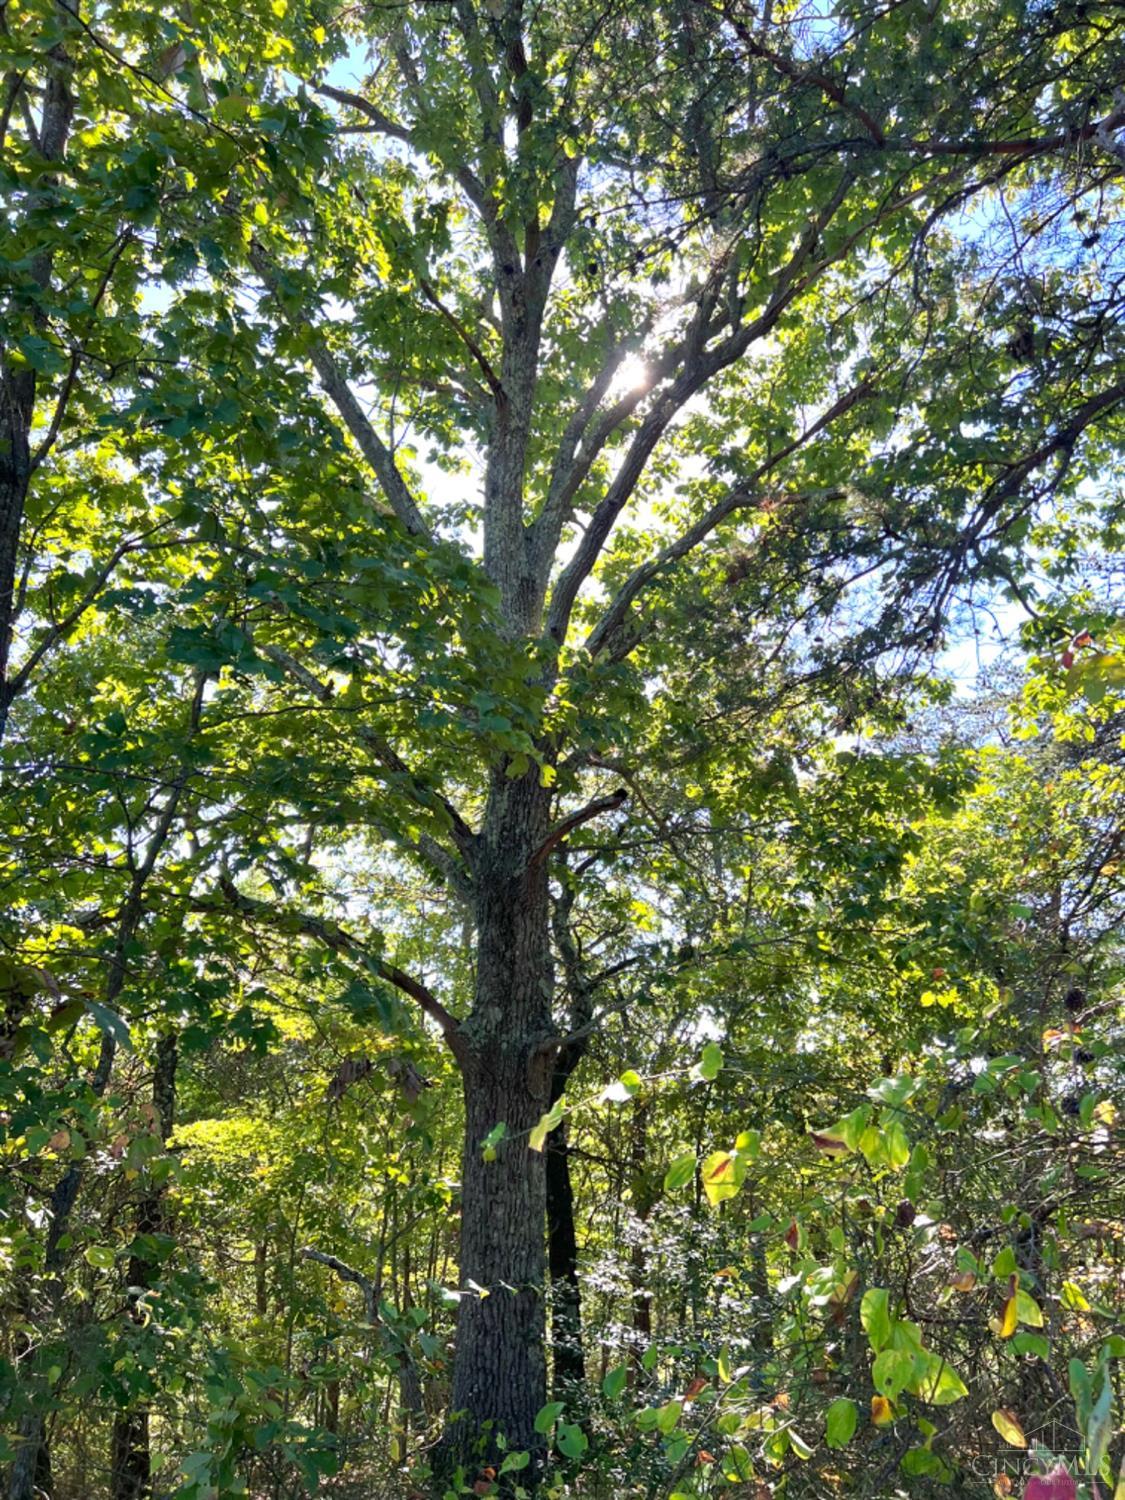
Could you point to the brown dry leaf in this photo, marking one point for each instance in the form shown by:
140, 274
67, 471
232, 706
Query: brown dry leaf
350, 1071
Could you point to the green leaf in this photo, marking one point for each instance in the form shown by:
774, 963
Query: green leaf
1005, 1263
897, 1090
892, 1372
710, 1063
680, 1172
620, 1091
111, 1024
515, 1461
895, 1146
1031, 1343
940, 1384
614, 1382
492, 1140
547, 1416
841, 1421
798, 1445
669, 1416
875, 1315
1028, 1310
571, 1441
850, 1129
1099, 1425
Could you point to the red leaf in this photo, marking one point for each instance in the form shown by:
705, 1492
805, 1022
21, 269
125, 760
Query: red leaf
793, 1235
828, 1144
1057, 1485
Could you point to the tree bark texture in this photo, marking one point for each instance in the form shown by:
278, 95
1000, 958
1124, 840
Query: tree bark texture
503, 1046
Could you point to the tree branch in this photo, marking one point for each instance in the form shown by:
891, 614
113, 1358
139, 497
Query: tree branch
423, 796
465, 336
380, 121
738, 498
576, 819
699, 366
63, 627
340, 393
348, 1273
335, 938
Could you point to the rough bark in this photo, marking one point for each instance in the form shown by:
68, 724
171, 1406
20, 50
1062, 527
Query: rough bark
17, 401
499, 1371
18, 385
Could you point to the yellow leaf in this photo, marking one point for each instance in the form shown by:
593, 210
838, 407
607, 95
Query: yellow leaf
1007, 1424
1005, 1325
882, 1411
1073, 1297
723, 1174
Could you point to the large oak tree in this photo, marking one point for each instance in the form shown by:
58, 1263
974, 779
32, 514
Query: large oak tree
468, 379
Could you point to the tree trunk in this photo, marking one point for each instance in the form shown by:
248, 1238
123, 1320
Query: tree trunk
131, 1465
562, 1252
131, 1477
261, 1286
31, 1453
18, 386
643, 1200
499, 1370
562, 1241
17, 399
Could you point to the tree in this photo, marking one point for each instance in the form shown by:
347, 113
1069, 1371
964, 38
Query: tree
721, 353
